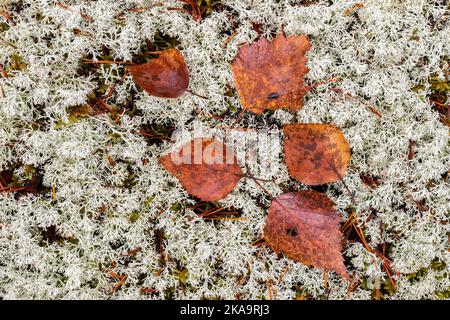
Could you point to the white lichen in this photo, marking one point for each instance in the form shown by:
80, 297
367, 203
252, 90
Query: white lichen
378, 53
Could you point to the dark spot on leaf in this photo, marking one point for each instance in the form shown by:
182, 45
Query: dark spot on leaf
291, 232
318, 156
273, 95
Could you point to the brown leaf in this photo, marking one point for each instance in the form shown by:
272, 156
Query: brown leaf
316, 153
305, 227
166, 76
270, 75
206, 168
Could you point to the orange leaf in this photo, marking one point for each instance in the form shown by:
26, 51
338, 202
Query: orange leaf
316, 153
206, 168
270, 75
305, 227
166, 76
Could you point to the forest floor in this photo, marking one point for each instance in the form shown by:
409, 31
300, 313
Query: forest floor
87, 211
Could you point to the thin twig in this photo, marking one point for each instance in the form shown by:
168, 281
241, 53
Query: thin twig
82, 15
226, 218
239, 117
250, 176
412, 146
285, 271
111, 88
8, 43
196, 94
7, 16
120, 283
346, 94
326, 81
148, 290
3, 71
90, 61
229, 39
139, 9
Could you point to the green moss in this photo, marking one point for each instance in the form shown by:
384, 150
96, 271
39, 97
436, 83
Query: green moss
17, 63
438, 95
414, 36
177, 207
435, 265
60, 124
156, 133
182, 275
169, 293
73, 240
4, 27
29, 171
160, 42
75, 114
39, 16
114, 137
130, 180
148, 201
208, 4
444, 295
380, 291
134, 216
301, 293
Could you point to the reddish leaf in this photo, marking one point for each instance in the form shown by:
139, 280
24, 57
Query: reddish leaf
305, 227
166, 76
206, 168
270, 75
316, 153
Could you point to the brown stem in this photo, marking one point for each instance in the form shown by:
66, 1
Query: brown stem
229, 39
326, 81
196, 94
82, 15
107, 62
238, 118
263, 189
250, 176
8, 43
348, 95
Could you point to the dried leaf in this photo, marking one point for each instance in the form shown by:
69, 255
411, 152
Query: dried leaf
206, 168
353, 9
316, 153
166, 76
270, 75
305, 227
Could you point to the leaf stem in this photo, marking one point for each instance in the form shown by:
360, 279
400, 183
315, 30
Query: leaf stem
196, 94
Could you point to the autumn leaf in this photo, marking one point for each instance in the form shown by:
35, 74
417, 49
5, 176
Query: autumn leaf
270, 75
166, 76
305, 227
316, 153
206, 168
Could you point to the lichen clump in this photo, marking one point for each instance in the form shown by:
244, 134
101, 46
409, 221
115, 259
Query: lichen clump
100, 217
